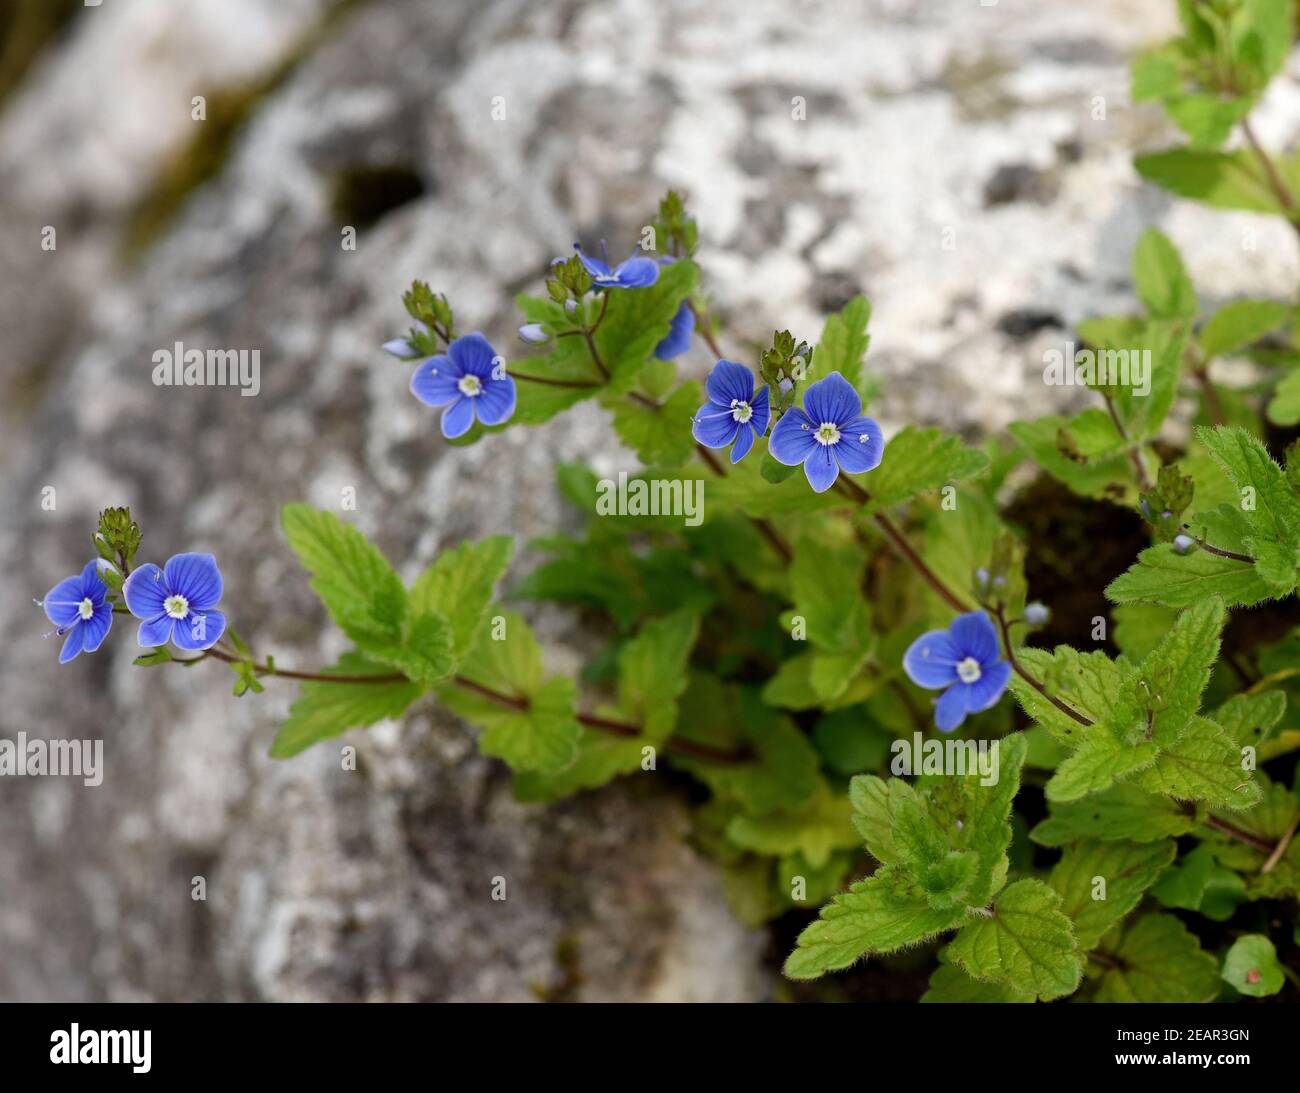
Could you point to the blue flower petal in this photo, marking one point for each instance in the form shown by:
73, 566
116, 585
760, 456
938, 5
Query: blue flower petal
196, 577
497, 402
832, 399
199, 630
744, 442
473, 355
714, 427
985, 691
144, 591
400, 347
950, 711
729, 382
678, 339
73, 643
636, 273
792, 441
821, 468
96, 628
861, 446
434, 382
63, 601
458, 418
931, 660
155, 631
762, 410
594, 266
973, 635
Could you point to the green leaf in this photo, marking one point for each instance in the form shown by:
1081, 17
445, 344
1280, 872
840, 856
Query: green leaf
1162, 575
875, 803
1096, 459
161, 655
843, 344
636, 320
1122, 812
1284, 407
1127, 869
1203, 765
536, 729
1172, 678
600, 758
919, 460
1140, 626
1252, 967
550, 383
882, 914
459, 586
660, 435
824, 578
1199, 883
652, 672
783, 772
1224, 180
951, 984
1028, 942
1275, 514
325, 710
945, 875
745, 487
1239, 324
1090, 683
815, 830
1248, 718
354, 581
1160, 277
1156, 959
1098, 763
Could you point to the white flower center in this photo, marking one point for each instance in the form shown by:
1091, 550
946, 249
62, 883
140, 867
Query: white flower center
968, 670
86, 608
176, 606
827, 433
470, 385
741, 411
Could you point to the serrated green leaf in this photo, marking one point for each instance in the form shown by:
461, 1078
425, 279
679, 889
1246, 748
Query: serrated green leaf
535, 728
1122, 812
1275, 514
882, 914
652, 672
1100, 460
1284, 407
353, 579
1162, 575
325, 710
1174, 675
875, 802
1028, 943
636, 320
1098, 762
1127, 870
1248, 718
459, 587
1156, 959
1203, 765
917, 461
660, 435
815, 830
951, 984
843, 344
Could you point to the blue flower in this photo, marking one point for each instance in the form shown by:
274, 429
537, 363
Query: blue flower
636, 272
967, 660
402, 347
734, 412
177, 602
678, 339
79, 607
828, 435
473, 379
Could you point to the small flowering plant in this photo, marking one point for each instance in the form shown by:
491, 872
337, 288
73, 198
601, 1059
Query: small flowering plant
847, 661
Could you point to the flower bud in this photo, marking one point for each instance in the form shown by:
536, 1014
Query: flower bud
1036, 614
1183, 543
533, 334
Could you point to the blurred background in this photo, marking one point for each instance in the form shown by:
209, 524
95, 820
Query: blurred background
1002, 128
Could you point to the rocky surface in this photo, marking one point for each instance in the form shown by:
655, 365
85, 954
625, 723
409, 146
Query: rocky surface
949, 164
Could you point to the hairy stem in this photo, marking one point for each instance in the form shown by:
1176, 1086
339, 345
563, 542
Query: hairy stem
1223, 827
1134, 450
